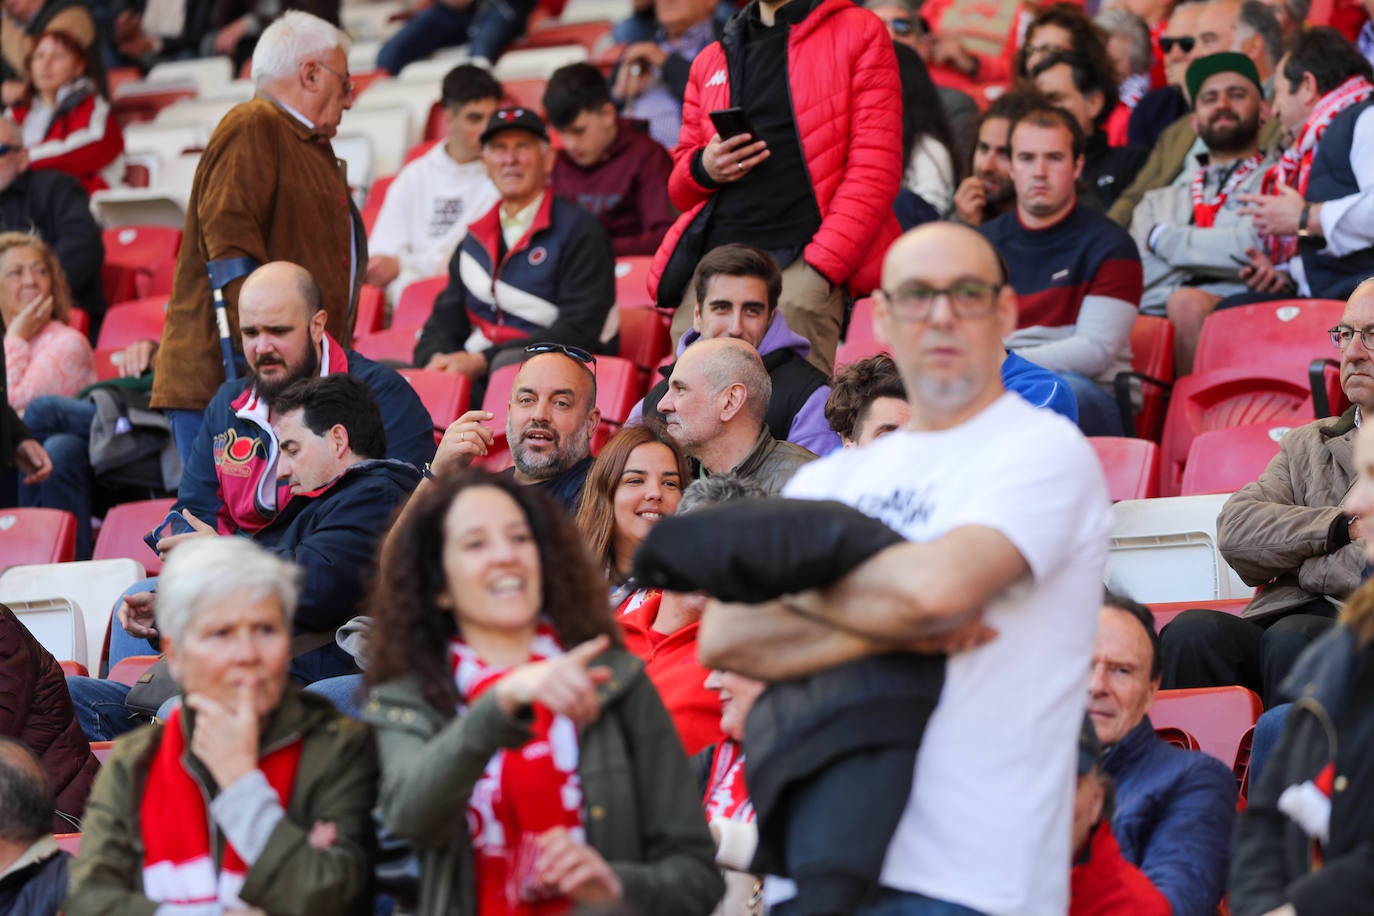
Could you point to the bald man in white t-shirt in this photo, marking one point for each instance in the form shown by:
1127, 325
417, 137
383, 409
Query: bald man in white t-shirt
1007, 519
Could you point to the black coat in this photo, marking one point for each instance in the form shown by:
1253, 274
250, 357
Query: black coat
1332, 720
55, 206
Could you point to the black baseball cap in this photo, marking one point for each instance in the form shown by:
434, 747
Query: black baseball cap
1204, 68
515, 119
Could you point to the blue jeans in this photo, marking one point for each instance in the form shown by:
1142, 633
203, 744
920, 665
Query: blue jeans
1098, 414
1267, 732
63, 425
185, 427
345, 692
898, 903
493, 26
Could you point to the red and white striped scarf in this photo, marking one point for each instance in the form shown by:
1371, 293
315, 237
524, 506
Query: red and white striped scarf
178, 863
522, 793
1295, 165
726, 795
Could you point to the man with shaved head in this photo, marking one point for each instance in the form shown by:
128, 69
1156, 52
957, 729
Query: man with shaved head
33, 870
716, 409
1006, 518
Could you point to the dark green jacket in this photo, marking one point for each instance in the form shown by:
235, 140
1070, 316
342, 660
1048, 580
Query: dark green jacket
336, 781
641, 808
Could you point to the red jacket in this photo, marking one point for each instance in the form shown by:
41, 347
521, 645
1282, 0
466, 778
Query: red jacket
670, 661
82, 139
1105, 884
847, 104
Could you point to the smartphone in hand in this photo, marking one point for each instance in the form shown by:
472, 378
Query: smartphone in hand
174, 523
731, 122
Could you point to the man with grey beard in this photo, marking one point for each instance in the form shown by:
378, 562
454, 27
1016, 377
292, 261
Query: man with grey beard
548, 429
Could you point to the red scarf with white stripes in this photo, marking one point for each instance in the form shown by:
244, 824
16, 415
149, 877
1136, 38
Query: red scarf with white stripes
522, 793
178, 863
1294, 167
726, 795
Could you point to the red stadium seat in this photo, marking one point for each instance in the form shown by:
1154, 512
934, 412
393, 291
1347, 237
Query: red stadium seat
419, 149
444, 394
1224, 460
1228, 398
1152, 365
618, 390
102, 750
417, 301
371, 310
376, 194
861, 321
138, 106
396, 345
121, 534
139, 319
1218, 717
70, 843
1131, 466
139, 261
1288, 332
526, 93
631, 282
36, 536
78, 319
1178, 738
645, 338
590, 35
851, 351
130, 668
73, 669
1166, 611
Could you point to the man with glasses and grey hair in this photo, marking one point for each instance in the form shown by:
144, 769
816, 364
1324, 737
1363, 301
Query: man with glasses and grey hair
1286, 534
268, 188
977, 472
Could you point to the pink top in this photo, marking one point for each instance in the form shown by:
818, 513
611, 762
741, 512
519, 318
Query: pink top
58, 360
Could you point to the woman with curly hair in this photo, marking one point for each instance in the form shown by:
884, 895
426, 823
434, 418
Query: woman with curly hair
523, 752
637, 479
43, 354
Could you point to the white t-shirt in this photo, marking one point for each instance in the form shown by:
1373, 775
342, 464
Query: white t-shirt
426, 214
989, 818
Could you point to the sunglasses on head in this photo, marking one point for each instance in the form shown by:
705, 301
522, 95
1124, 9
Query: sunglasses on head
1185, 43
577, 353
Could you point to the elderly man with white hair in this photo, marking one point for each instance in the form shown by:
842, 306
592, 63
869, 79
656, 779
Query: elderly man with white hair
268, 188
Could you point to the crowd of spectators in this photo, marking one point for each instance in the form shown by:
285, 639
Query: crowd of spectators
807, 633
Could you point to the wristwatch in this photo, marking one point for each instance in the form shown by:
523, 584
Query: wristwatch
1303, 231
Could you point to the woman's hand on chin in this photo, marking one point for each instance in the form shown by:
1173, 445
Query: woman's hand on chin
575, 870
565, 684
225, 738
31, 319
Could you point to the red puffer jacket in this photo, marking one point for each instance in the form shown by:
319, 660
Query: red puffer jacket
847, 104
36, 709
82, 139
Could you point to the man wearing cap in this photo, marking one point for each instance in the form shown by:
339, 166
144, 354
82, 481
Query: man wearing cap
1192, 237
534, 266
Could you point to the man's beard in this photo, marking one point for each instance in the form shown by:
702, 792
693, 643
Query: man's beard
270, 389
1230, 139
548, 464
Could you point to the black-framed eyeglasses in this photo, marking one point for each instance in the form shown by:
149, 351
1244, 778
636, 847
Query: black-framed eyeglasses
901, 26
1343, 334
1185, 43
967, 299
582, 356
1034, 50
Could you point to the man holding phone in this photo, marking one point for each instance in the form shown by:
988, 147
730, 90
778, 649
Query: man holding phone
812, 177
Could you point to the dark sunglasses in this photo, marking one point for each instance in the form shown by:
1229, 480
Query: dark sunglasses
1185, 43
902, 26
577, 353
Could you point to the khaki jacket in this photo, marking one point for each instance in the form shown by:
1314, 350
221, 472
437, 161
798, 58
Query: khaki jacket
641, 807
770, 463
336, 781
1285, 533
268, 189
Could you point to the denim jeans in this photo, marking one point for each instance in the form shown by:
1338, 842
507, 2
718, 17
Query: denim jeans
63, 425
897, 903
185, 427
487, 31
1098, 414
1267, 732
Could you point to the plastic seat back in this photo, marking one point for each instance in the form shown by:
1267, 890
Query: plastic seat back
1130, 465
127, 322
1225, 399
645, 338
36, 536
392, 345
130, 668
1290, 332
56, 623
444, 394
1152, 360
861, 321
1166, 550
92, 586
1224, 460
139, 261
416, 302
121, 534
1218, 717
632, 282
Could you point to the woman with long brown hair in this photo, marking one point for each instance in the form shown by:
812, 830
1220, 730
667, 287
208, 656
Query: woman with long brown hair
637, 479
524, 753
